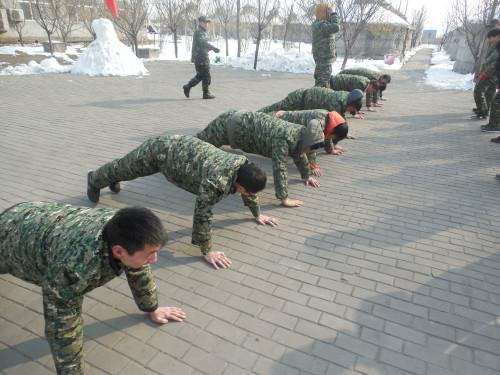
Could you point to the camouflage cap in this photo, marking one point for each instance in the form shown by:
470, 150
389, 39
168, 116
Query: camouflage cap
204, 18
312, 134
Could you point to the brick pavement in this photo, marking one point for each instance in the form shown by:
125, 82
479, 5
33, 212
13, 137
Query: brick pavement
392, 267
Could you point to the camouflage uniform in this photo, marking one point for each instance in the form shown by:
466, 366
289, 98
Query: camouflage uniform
494, 119
323, 48
313, 98
349, 82
485, 88
61, 249
261, 134
188, 163
372, 76
199, 56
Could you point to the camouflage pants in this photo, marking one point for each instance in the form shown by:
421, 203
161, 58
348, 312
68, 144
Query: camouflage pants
294, 101
494, 121
145, 160
202, 75
483, 94
322, 74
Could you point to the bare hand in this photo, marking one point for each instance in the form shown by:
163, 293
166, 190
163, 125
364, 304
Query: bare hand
317, 172
163, 314
340, 148
312, 181
263, 220
371, 109
291, 202
383, 99
357, 116
379, 104
350, 136
218, 259
334, 151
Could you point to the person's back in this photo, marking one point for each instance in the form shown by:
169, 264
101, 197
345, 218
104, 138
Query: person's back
56, 244
348, 82
324, 98
365, 72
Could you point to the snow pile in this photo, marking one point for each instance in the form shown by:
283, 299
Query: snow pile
107, 56
49, 65
442, 76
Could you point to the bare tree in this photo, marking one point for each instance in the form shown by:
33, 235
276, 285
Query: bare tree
133, 16
471, 19
306, 18
287, 16
171, 14
66, 20
224, 10
192, 10
238, 15
90, 10
354, 17
265, 11
45, 14
417, 24
18, 25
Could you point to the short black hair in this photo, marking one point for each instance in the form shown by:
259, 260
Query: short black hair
252, 178
387, 77
133, 228
317, 145
493, 33
340, 132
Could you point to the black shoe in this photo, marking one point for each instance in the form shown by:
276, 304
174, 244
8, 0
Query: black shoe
115, 187
474, 110
497, 177
93, 193
207, 95
186, 89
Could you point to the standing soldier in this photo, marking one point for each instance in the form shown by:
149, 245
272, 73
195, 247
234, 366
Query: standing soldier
372, 75
493, 125
319, 98
349, 82
69, 251
323, 43
334, 126
486, 80
199, 56
261, 134
195, 166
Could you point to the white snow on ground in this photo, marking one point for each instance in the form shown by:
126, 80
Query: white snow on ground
441, 76
49, 65
107, 56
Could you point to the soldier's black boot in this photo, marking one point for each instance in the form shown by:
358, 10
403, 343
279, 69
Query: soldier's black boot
207, 95
187, 89
115, 187
93, 193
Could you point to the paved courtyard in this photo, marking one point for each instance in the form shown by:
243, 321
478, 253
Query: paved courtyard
391, 267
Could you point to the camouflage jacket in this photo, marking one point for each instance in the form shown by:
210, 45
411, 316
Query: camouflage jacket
313, 98
489, 60
323, 40
303, 118
372, 75
201, 47
261, 134
61, 248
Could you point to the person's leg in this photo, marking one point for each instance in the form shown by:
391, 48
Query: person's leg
193, 82
143, 161
489, 93
494, 120
206, 81
322, 74
480, 98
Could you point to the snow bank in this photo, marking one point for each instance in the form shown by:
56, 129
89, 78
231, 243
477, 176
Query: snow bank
49, 65
107, 56
442, 76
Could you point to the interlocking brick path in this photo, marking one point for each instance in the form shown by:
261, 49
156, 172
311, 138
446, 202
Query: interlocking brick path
391, 267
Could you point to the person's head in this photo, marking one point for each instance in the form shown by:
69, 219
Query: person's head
312, 137
250, 180
135, 235
354, 101
323, 11
203, 21
493, 36
372, 86
384, 79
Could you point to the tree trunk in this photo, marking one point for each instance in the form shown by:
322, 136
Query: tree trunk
346, 56
259, 36
404, 44
175, 44
284, 35
136, 45
227, 39
50, 42
238, 10
20, 33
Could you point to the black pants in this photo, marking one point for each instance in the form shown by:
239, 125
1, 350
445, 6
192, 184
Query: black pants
202, 75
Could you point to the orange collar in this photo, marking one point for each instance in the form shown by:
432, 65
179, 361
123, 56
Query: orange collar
334, 120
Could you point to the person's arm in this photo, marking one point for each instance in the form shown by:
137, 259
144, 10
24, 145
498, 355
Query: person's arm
205, 45
143, 288
332, 26
252, 202
64, 328
302, 163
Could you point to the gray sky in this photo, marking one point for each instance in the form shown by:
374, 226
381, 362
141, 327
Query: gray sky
436, 11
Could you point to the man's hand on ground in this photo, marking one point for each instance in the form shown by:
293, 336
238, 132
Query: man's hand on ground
317, 172
312, 181
218, 259
358, 116
263, 220
291, 202
350, 136
371, 109
340, 149
163, 314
